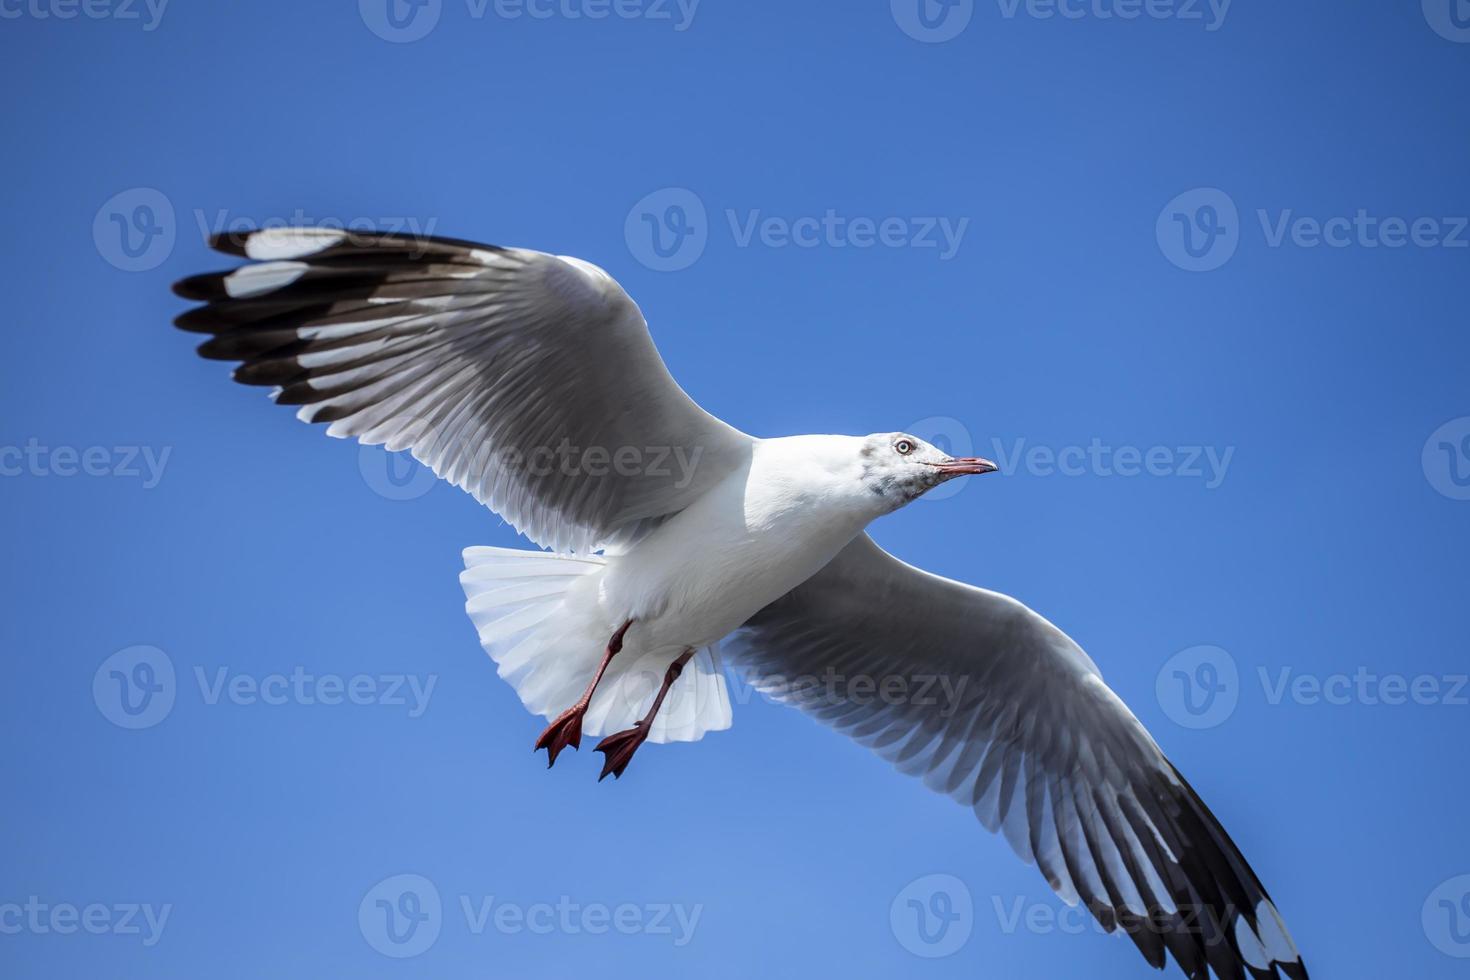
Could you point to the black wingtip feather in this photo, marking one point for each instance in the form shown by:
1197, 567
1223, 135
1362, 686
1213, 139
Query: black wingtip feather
231, 242
358, 241
206, 287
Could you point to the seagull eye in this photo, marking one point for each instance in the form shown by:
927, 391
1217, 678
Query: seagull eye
903, 447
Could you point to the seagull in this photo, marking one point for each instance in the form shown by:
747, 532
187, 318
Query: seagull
672, 541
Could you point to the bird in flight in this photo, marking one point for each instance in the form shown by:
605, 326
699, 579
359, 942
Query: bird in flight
531, 381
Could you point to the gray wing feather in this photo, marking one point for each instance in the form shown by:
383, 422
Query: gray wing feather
492, 366
995, 707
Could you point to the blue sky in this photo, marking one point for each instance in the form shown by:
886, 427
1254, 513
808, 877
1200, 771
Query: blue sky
1195, 277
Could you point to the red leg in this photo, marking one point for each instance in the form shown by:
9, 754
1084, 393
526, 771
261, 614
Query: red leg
567, 728
620, 746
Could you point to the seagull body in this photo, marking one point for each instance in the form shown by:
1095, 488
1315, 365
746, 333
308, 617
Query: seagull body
531, 381
756, 535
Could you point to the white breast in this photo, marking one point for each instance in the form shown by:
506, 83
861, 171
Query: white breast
749, 541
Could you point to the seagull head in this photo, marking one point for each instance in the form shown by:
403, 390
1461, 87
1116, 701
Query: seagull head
898, 467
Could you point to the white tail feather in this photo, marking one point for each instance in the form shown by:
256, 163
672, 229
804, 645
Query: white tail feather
539, 617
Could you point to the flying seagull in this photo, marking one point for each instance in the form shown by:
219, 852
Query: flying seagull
531, 381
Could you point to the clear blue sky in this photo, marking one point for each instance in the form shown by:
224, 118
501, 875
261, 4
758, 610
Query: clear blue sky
1127, 287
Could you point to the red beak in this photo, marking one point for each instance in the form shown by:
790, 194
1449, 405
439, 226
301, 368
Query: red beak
965, 466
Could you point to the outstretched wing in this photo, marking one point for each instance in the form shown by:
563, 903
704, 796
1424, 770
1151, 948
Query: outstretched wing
994, 706
528, 379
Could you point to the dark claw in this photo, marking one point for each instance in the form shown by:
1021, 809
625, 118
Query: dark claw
566, 730
619, 748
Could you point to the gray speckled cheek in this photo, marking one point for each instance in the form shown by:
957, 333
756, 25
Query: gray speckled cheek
873, 478
896, 485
